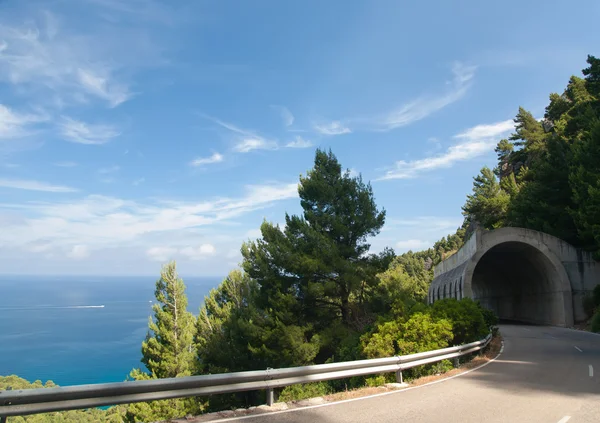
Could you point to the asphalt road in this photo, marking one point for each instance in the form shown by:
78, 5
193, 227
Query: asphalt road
545, 374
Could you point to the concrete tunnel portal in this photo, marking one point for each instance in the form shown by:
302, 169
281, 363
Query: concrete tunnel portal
521, 274
521, 283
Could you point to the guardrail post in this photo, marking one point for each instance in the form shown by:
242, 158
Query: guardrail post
270, 397
3, 419
398, 376
455, 362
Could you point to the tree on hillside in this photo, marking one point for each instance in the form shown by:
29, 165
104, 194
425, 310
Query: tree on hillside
216, 325
169, 349
488, 203
313, 273
585, 182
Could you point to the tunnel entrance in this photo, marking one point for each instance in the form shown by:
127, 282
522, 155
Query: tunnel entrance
519, 282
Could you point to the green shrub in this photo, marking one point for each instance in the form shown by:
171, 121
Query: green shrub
304, 391
468, 323
490, 318
421, 332
589, 305
375, 381
595, 326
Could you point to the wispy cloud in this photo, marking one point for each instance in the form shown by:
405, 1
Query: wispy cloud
246, 145
201, 161
102, 86
487, 131
286, 116
138, 182
198, 253
426, 105
245, 140
475, 142
103, 222
332, 128
299, 142
62, 65
15, 125
33, 186
163, 254
85, 133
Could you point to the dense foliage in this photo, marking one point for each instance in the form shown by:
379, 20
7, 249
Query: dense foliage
93, 415
548, 173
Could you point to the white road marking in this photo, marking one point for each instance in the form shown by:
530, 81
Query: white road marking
591, 371
529, 330
578, 349
565, 419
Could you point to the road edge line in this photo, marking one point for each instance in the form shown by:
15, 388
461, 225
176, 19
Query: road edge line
399, 391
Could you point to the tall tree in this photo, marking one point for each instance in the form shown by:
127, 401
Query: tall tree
585, 182
169, 349
313, 271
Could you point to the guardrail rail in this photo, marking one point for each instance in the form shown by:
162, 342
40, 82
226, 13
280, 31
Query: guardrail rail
41, 400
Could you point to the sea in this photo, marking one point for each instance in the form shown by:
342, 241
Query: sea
79, 330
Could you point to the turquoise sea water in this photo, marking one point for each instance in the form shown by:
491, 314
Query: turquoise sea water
55, 328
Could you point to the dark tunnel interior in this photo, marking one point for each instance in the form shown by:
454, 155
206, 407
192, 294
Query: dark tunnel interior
519, 283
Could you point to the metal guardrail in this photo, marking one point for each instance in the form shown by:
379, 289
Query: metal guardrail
41, 400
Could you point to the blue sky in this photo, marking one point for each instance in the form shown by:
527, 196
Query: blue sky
133, 132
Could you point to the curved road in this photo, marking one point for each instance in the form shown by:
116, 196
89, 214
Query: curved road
545, 374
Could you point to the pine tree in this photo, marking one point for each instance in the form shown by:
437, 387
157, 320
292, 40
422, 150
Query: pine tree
314, 272
169, 349
585, 183
488, 203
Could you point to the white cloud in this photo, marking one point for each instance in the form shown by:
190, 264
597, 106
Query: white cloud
215, 158
65, 164
101, 86
106, 222
84, 133
65, 63
161, 254
33, 186
138, 181
412, 244
79, 252
245, 139
299, 142
487, 131
476, 141
198, 253
16, 125
286, 115
424, 106
332, 128
246, 145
